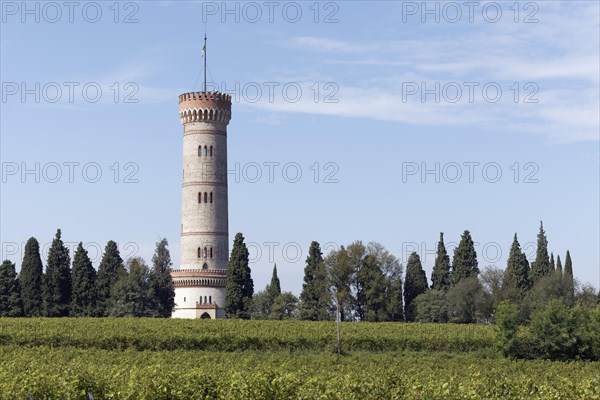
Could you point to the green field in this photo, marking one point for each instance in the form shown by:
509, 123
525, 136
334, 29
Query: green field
172, 359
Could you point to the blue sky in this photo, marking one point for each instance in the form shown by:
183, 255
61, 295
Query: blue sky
511, 139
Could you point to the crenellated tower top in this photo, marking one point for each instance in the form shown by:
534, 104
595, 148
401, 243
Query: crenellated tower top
205, 107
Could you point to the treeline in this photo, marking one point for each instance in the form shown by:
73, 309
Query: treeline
367, 283
66, 289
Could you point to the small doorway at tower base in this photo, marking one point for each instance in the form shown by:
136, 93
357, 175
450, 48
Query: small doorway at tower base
205, 316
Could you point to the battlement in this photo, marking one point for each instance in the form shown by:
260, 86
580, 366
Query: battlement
204, 107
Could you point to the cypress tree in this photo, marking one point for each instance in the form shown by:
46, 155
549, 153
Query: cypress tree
271, 292
559, 269
314, 298
10, 291
274, 288
57, 280
30, 277
440, 275
552, 266
415, 283
83, 278
111, 269
162, 289
240, 287
541, 265
464, 262
516, 274
569, 281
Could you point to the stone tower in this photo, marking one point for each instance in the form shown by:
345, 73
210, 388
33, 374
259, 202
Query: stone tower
201, 279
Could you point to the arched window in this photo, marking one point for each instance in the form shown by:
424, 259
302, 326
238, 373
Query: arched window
199, 252
211, 253
205, 252
211, 153
200, 197
209, 299
205, 299
205, 197
205, 151
205, 266
184, 299
199, 151
211, 197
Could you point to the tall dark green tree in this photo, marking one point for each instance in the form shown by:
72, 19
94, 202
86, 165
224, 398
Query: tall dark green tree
240, 286
57, 280
161, 286
440, 276
30, 277
552, 265
372, 290
569, 281
415, 283
541, 266
83, 278
274, 288
10, 291
111, 269
464, 262
130, 294
559, 269
516, 274
315, 297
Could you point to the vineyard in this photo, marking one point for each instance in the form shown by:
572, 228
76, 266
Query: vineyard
172, 359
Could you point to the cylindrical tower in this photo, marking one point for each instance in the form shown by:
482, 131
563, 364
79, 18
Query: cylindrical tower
201, 279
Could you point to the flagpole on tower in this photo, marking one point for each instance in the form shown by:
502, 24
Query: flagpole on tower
204, 56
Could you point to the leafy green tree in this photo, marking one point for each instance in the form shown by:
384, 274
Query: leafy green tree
11, 304
340, 275
31, 277
546, 289
464, 262
541, 266
516, 274
56, 287
468, 302
552, 265
440, 275
130, 294
507, 318
111, 269
559, 268
284, 306
315, 297
415, 283
431, 306
83, 278
555, 330
586, 296
162, 288
240, 286
569, 281
492, 281
261, 305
